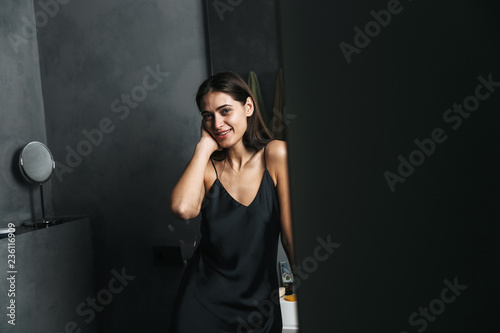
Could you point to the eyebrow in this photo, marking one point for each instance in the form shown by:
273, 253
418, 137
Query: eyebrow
222, 106
218, 108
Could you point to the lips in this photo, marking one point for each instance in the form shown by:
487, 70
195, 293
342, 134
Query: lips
222, 134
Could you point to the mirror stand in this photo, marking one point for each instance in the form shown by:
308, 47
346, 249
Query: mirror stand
43, 222
37, 164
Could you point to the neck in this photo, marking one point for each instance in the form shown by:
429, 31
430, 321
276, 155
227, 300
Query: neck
238, 155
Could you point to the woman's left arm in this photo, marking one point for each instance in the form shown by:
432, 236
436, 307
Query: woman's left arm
277, 152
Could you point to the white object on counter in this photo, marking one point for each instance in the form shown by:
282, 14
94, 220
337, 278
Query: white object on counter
290, 316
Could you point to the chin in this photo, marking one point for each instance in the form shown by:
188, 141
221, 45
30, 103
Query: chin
230, 141
225, 145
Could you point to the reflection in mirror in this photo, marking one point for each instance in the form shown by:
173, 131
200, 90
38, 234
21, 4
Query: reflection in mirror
237, 44
37, 164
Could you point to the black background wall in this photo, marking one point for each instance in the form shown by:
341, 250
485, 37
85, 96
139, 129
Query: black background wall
392, 251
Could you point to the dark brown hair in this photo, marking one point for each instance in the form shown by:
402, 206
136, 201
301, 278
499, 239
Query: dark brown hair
257, 134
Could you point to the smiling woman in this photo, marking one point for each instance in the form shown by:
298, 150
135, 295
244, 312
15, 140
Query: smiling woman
228, 120
238, 179
228, 95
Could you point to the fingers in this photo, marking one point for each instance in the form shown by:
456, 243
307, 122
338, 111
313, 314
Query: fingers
207, 136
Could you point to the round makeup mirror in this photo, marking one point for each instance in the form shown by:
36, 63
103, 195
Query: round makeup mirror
37, 164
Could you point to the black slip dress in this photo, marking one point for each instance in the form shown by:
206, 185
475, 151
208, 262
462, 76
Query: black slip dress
231, 282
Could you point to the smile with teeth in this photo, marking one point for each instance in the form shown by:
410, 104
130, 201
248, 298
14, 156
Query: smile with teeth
222, 135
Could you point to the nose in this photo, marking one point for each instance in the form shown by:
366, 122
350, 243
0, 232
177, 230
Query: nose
218, 121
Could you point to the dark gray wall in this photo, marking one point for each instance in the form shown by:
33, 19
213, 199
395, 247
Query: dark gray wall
54, 266
54, 280
21, 110
392, 251
92, 52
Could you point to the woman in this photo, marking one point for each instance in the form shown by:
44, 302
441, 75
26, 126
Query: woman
238, 178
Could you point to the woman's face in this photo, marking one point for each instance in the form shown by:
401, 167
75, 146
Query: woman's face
225, 118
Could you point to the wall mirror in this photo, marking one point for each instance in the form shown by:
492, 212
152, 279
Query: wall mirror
37, 165
243, 37
236, 43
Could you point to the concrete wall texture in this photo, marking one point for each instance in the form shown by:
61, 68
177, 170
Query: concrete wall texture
52, 280
118, 80
22, 116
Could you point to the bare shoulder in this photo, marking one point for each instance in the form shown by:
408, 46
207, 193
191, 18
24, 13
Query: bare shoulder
276, 151
276, 158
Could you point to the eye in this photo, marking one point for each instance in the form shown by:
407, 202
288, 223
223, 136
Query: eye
206, 116
225, 111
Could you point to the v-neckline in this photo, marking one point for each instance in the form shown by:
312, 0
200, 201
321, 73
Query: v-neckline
256, 195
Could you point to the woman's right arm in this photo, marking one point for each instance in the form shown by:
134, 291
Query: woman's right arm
187, 195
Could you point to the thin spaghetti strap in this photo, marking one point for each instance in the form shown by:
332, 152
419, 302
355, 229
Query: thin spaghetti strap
265, 163
216, 174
